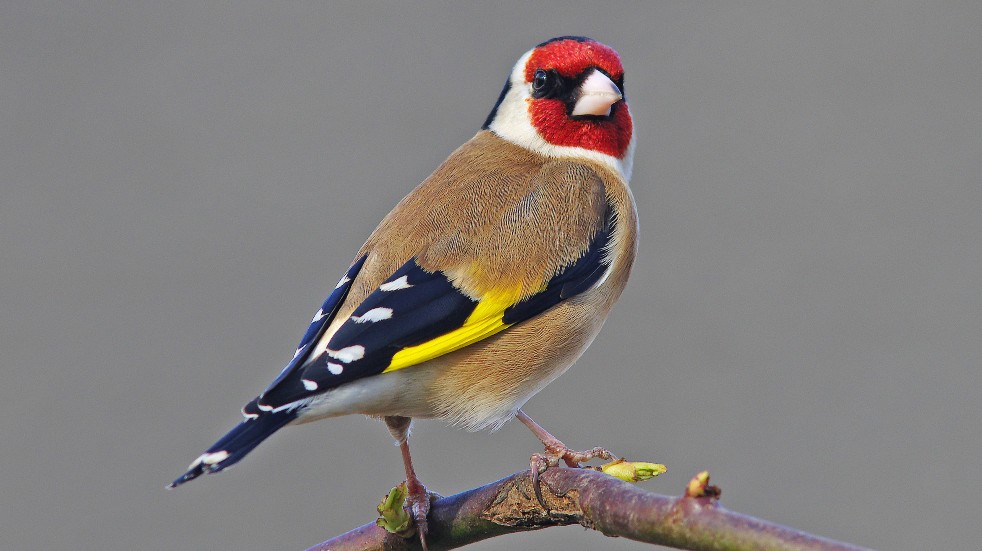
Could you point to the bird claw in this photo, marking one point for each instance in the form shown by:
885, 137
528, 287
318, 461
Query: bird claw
554, 452
418, 503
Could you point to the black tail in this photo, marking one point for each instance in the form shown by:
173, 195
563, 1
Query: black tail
232, 447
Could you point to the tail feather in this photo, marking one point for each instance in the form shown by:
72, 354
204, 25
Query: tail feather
232, 447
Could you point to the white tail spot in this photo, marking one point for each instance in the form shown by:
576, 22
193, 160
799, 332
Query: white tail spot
212, 458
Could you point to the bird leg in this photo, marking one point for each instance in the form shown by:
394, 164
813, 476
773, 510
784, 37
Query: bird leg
554, 451
418, 499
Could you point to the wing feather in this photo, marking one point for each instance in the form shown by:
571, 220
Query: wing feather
426, 316
321, 320
457, 285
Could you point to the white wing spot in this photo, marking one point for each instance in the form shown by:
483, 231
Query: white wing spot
344, 280
347, 354
264, 407
318, 316
334, 368
604, 277
373, 315
308, 384
299, 350
401, 283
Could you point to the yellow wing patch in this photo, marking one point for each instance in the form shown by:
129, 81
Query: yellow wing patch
484, 321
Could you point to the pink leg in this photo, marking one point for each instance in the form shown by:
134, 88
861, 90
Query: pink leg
418, 498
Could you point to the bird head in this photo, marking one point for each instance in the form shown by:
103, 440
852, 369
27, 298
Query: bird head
565, 98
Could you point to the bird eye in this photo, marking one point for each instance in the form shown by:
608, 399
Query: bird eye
540, 84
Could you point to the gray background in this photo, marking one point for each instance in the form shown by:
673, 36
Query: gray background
182, 184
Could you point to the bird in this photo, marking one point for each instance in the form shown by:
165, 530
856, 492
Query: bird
482, 285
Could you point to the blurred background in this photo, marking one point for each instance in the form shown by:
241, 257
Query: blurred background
182, 183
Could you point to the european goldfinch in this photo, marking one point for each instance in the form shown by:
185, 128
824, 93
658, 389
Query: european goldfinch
486, 282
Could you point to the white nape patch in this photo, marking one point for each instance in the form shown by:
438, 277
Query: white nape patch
308, 384
512, 123
299, 350
318, 316
344, 280
334, 368
395, 285
373, 315
347, 354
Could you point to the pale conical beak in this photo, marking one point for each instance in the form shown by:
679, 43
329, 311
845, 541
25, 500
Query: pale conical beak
597, 94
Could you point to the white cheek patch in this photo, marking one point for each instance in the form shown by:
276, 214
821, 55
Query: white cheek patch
513, 123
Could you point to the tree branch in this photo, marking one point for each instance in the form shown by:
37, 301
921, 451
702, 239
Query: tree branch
594, 500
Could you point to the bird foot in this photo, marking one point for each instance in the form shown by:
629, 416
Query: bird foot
418, 502
554, 452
